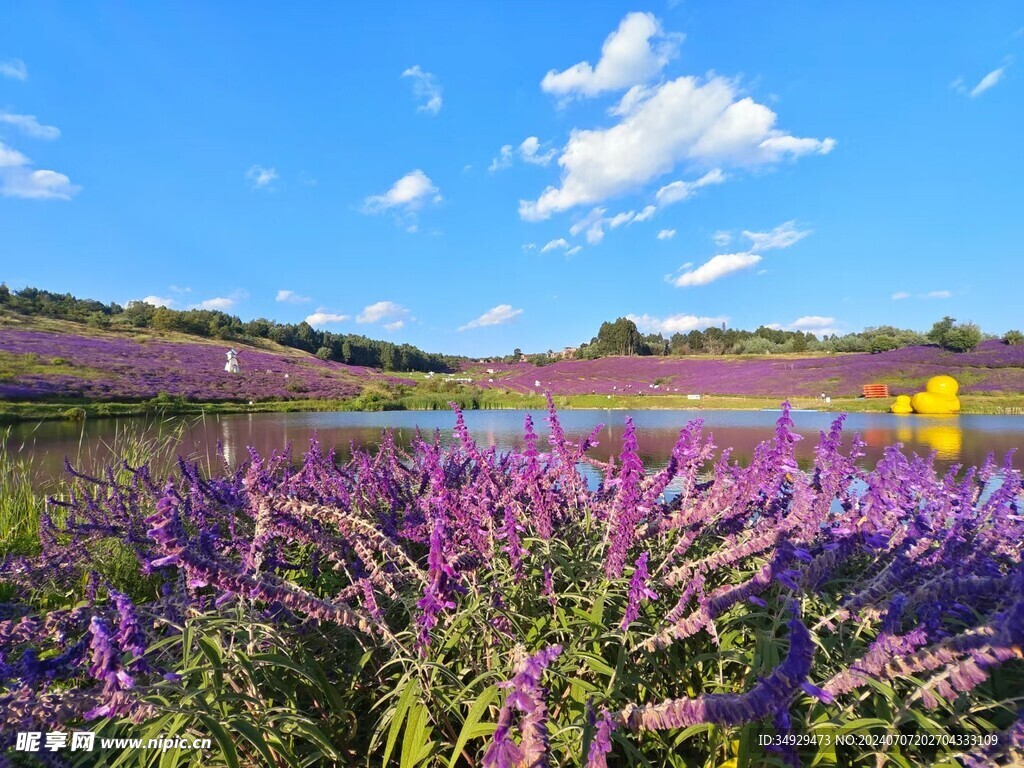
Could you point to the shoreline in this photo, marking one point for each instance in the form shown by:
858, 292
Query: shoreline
19, 413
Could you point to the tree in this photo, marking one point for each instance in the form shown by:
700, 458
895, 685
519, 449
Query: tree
1013, 338
882, 343
620, 338
963, 337
937, 335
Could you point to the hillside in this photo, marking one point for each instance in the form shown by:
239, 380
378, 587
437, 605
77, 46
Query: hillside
45, 359
994, 367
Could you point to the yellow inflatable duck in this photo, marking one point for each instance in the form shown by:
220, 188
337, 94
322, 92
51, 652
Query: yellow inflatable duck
902, 405
939, 397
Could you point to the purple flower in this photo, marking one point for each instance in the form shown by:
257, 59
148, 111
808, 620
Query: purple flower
638, 590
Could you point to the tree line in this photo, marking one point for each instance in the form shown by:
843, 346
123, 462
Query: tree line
351, 349
622, 337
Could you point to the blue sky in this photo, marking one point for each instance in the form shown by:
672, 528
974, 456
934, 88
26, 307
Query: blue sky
472, 177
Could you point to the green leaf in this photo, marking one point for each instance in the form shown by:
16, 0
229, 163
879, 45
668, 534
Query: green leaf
476, 712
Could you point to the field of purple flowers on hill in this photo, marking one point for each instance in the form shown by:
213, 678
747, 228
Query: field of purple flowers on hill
46, 365
992, 367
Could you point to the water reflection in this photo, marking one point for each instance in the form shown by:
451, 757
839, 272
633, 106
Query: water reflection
958, 439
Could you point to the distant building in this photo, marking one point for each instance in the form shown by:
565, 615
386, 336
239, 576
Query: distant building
231, 366
569, 353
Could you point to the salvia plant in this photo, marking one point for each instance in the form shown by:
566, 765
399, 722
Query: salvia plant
458, 606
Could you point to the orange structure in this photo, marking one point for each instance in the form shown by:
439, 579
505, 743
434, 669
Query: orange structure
875, 390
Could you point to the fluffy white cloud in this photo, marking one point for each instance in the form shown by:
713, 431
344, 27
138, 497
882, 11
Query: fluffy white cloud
573, 251
530, 151
675, 323
18, 179
552, 245
645, 214
527, 247
666, 234
14, 69
988, 81
426, 89
290, 297
30, 126
722, 238
816, 324
634, 53
682, 121
382, 310
397, 325
938, 294
782, 236
218, 302
260, 177
900, 295
500, 314
156, 301
11, 158
321, 318
621, 218
503, 160
409, 193
716, 268
681, 190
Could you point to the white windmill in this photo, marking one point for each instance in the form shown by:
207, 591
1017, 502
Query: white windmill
231, 366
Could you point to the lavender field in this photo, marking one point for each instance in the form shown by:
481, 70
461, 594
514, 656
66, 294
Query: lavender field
456, 606
992, 367
112, 367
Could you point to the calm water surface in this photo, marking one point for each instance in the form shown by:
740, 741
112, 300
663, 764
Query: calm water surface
963, 439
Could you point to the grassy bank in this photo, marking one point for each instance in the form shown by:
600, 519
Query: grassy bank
468, 399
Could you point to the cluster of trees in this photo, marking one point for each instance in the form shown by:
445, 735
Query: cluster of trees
622, 337
343, 348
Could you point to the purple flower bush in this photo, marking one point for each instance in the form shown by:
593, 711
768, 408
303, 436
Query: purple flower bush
460, 606
992, 367
109, 367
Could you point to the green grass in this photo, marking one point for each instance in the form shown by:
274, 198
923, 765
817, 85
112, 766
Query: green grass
14, 365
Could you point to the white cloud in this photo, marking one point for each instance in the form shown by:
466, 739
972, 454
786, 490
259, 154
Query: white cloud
593, 223
529, 150
503, 160
18, 179
11, 158
783, 236
14, 69
716, 268
426, 89
621, 218
321, 318
682, 121
681, 190
988, 81
722, 238
938, 294
573, 251
552, 245
900, 295
816, 324
290, 297
674, 323
382, 310
409, 194
395, 326
157, 301
260, 177
666, 234
627, 58
30, 126
645, 214
500, 314
529, 247
218, 302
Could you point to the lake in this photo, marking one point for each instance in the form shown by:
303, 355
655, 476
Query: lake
963, 439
